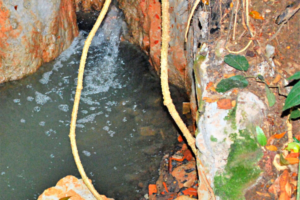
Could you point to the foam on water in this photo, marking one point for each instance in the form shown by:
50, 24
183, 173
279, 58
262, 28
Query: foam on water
41, 99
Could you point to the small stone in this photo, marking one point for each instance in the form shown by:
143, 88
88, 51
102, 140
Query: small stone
270, 50
250, 54
141, 184
185, 179
147, 131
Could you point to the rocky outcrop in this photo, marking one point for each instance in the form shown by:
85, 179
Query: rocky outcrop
143, 18
33, 32
71, 187
144, 23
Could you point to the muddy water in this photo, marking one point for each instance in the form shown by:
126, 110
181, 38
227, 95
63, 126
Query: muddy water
122, 130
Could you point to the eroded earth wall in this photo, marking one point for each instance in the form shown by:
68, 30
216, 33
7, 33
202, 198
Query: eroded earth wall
144, 22
33, 32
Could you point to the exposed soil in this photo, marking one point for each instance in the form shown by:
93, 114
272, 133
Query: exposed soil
287, 62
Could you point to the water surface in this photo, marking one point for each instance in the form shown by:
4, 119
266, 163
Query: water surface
122, 128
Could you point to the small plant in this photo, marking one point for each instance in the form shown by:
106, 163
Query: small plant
239, 81
261, 137
293, 99
292, 103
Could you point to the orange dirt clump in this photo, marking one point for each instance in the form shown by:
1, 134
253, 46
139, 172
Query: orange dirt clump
224, 104
185, 179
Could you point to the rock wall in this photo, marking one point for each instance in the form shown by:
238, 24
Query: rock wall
88, 5
144, 23
33, 32
69, 186
143, 18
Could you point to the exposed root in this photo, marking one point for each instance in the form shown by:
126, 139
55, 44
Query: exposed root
289, 129
190, 18
235, 19
235, 9
240, 51
77, 99
277, 165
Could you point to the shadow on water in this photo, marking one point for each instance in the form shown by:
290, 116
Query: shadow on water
122, 130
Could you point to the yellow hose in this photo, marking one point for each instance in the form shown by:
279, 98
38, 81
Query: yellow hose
77, 99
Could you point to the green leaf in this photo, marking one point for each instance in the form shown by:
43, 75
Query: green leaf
270, 96
237, 81
237, 61
296, 140
293, 98
293, 146
261, 138
283, 161
295, 114
260, 77
296, 76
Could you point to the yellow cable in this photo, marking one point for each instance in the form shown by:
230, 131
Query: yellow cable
77, 99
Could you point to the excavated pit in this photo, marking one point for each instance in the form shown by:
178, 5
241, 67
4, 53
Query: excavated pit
123, 129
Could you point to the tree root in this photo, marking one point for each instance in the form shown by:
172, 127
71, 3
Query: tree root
190, 18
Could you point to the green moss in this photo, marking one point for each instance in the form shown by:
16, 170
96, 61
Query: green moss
233, 136
213, 139
197, 74
241, 170
231, 117
199, 58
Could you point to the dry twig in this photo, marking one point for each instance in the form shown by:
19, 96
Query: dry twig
247, 22
275, 34
235, 19
289, 129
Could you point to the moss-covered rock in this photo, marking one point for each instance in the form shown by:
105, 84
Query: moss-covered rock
241, 170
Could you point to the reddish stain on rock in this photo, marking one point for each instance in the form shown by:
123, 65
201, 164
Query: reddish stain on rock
149, 28
151, 11
224, 104
178, 58
28, 42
